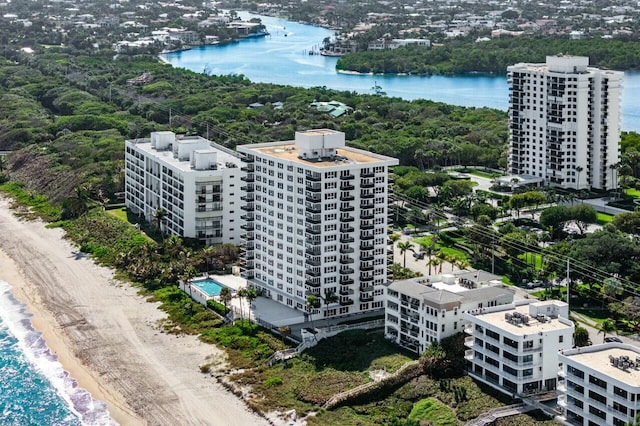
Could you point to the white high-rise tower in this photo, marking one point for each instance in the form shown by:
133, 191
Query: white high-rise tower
316, 218
564, 122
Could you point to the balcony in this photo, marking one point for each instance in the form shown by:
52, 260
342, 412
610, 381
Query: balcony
313, 261
346, 270
346, 228
366, 185
248, 217
366, 237
347, 197
366, 257
248, 197
314, 208
345, 239
249, 207
366, 297
249, 159
469, 341
347, 187
347, 177
314, 177
468, 355
365, 278
346, 281
315, 219
313, 282
313, 272
367, 227
314, 230
366, 246
345, 291
314, 198
347, 219
247, 188
367, 195
366, 288
247, 226
345, 301
347, 208
248, 178
346, 260
347, 250
313, 187
366, 215
364, 205
367, 175
468, 329
313, 251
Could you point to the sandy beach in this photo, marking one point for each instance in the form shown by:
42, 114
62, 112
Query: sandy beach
107, 337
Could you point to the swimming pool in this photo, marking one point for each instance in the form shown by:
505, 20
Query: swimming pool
209, 286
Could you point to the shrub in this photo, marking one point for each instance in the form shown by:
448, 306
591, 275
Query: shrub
271, 382
217, 307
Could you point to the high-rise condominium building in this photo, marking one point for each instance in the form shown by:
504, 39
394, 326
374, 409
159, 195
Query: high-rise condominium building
564, 122
194, 182
316, 221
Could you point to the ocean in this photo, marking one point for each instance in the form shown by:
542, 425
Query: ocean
34, 388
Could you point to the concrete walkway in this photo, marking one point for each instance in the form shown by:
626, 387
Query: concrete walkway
492, 415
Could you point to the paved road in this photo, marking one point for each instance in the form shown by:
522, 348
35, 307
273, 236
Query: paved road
597, 338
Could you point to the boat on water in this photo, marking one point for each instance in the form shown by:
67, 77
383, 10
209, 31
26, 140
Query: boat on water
330, 53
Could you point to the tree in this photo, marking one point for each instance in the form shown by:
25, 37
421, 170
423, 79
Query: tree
225, 296
582, 215
241, 293
251, 295
581, 336
159, 215
405, 246
611, 288
312, 303
435, 262
628, 223
554, 218
578, 170
607, 326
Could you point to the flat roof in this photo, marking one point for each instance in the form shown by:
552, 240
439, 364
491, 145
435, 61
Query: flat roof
167, 157
497, 319
442, 293
288, 151
598, 359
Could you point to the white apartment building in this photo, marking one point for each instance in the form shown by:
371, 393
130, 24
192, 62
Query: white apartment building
514, 348
316, 221
599, 384
420, 311
564, 122
196, 182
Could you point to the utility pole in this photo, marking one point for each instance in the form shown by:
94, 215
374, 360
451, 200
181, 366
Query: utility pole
170, 118
568, 285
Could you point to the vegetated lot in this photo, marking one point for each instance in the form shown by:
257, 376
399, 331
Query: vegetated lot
464, 398
306, 382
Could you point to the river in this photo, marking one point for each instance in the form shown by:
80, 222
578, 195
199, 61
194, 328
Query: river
282, 58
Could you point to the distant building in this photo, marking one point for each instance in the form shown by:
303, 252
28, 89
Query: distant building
395, 43
600, 385
514, 348
316, 223
421, 311
564, 122
196, 182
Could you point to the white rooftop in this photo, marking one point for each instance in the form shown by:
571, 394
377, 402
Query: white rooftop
597, 358
496, 318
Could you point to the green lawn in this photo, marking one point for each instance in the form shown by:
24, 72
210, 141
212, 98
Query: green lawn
120, 213
532, 259
594, 314
634, 193
603, 218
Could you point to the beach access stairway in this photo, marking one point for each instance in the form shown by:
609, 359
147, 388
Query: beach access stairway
496, 413
311, 339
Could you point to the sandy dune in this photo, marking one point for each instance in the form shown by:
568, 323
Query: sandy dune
105, 335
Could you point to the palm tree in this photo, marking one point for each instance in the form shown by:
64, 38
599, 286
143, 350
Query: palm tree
313, 302
405, 246
435, 262
159, 216
251, 295
429, 248
462, 263
241, 295
225, 296
578, 169
606, 326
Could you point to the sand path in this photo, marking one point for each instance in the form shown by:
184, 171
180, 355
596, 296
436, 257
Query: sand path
106, 336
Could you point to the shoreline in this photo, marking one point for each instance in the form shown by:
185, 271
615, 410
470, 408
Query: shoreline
58, 345
107, 336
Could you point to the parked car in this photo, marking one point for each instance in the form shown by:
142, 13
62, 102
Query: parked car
612, 340
418, 255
